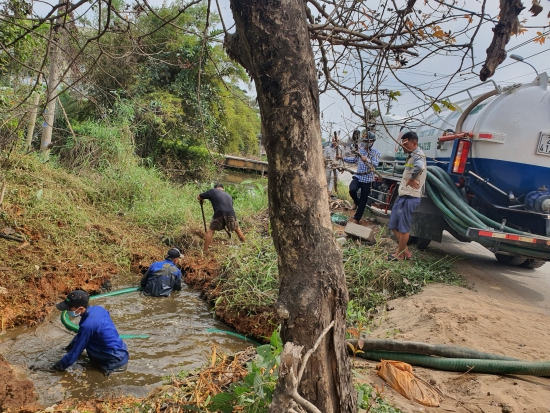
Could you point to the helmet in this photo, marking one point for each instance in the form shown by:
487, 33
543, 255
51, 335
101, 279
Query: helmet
368, 136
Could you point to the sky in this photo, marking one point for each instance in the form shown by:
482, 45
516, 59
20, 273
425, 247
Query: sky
434, 73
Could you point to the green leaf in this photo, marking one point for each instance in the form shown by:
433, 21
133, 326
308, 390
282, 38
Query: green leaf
436, 107
222, 402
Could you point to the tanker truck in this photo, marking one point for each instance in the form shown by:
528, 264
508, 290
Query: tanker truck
488, 171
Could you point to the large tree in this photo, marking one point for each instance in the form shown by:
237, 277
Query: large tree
289, 47
272, 42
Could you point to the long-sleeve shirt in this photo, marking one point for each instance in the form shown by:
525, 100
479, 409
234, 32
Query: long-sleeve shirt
97, 335
365, 170
161, 278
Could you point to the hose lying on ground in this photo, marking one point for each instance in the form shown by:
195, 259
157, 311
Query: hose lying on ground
463, 364
67, 322
440, 350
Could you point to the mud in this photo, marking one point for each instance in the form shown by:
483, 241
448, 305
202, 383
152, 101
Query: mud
180, 339
16, 394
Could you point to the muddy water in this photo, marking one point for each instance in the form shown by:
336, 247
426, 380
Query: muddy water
231, 176
178, 341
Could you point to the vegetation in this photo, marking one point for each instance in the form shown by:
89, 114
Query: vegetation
250, 280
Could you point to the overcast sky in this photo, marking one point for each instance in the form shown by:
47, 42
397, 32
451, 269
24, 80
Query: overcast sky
434, 73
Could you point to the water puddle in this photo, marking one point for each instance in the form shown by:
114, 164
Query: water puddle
178, 340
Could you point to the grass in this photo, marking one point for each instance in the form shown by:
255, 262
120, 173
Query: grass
250, 275
372, 279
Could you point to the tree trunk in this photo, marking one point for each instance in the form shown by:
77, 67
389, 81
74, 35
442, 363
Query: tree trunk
272, 43
32, 120
53, 84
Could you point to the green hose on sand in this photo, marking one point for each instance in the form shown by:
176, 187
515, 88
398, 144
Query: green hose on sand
463, 365
67, 322
449, 358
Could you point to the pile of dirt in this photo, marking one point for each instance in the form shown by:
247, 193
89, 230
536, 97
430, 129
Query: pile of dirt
15, 394
443, 314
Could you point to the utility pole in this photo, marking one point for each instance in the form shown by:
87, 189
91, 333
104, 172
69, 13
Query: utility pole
53, 83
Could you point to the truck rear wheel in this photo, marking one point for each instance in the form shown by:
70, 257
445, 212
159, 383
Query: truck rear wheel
421, 243
533, 263
510, 259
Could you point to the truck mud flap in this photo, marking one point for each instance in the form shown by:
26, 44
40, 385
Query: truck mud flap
428, 221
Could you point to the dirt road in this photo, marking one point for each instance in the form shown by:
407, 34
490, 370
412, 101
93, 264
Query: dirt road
498, 281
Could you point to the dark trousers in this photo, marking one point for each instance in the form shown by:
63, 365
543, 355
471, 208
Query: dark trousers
360, 201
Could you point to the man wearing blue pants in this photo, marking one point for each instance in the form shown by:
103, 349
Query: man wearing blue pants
410, 192
367, 160
96, 334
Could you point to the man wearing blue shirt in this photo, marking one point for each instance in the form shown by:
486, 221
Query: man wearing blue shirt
96, 334
367, 160
163, 276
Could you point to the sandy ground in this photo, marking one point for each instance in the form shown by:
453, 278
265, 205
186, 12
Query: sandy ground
467, 318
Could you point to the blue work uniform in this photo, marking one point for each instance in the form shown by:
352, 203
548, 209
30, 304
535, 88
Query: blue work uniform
161, 278
97, 335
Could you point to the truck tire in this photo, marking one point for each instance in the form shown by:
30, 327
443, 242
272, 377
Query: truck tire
510, 259
423, 243
533, 263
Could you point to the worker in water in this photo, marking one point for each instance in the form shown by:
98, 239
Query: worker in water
367, 159
96, 334
224, 214
163, 276
330, 152
410, 192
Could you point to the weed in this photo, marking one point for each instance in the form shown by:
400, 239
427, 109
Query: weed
251, 275
372, 279
370, 399
254, 393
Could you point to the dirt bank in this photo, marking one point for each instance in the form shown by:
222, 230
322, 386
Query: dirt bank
458, 316
16, 394
202, 274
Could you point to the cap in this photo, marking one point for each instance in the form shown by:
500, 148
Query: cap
368, 136
174, 253
75, 299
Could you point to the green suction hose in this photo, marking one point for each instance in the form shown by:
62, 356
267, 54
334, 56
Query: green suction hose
428, 349
460, 216
232, 333
67, 322
463, 364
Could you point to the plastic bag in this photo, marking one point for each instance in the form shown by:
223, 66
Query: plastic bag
339, 219
400, 377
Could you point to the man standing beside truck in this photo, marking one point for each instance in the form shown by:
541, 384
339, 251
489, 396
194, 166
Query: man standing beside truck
410, 192
367, 159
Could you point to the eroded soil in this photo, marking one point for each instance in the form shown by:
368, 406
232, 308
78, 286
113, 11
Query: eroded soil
16, 394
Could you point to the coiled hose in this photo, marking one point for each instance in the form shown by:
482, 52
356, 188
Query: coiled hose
460, 216
67, 322
463, 364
